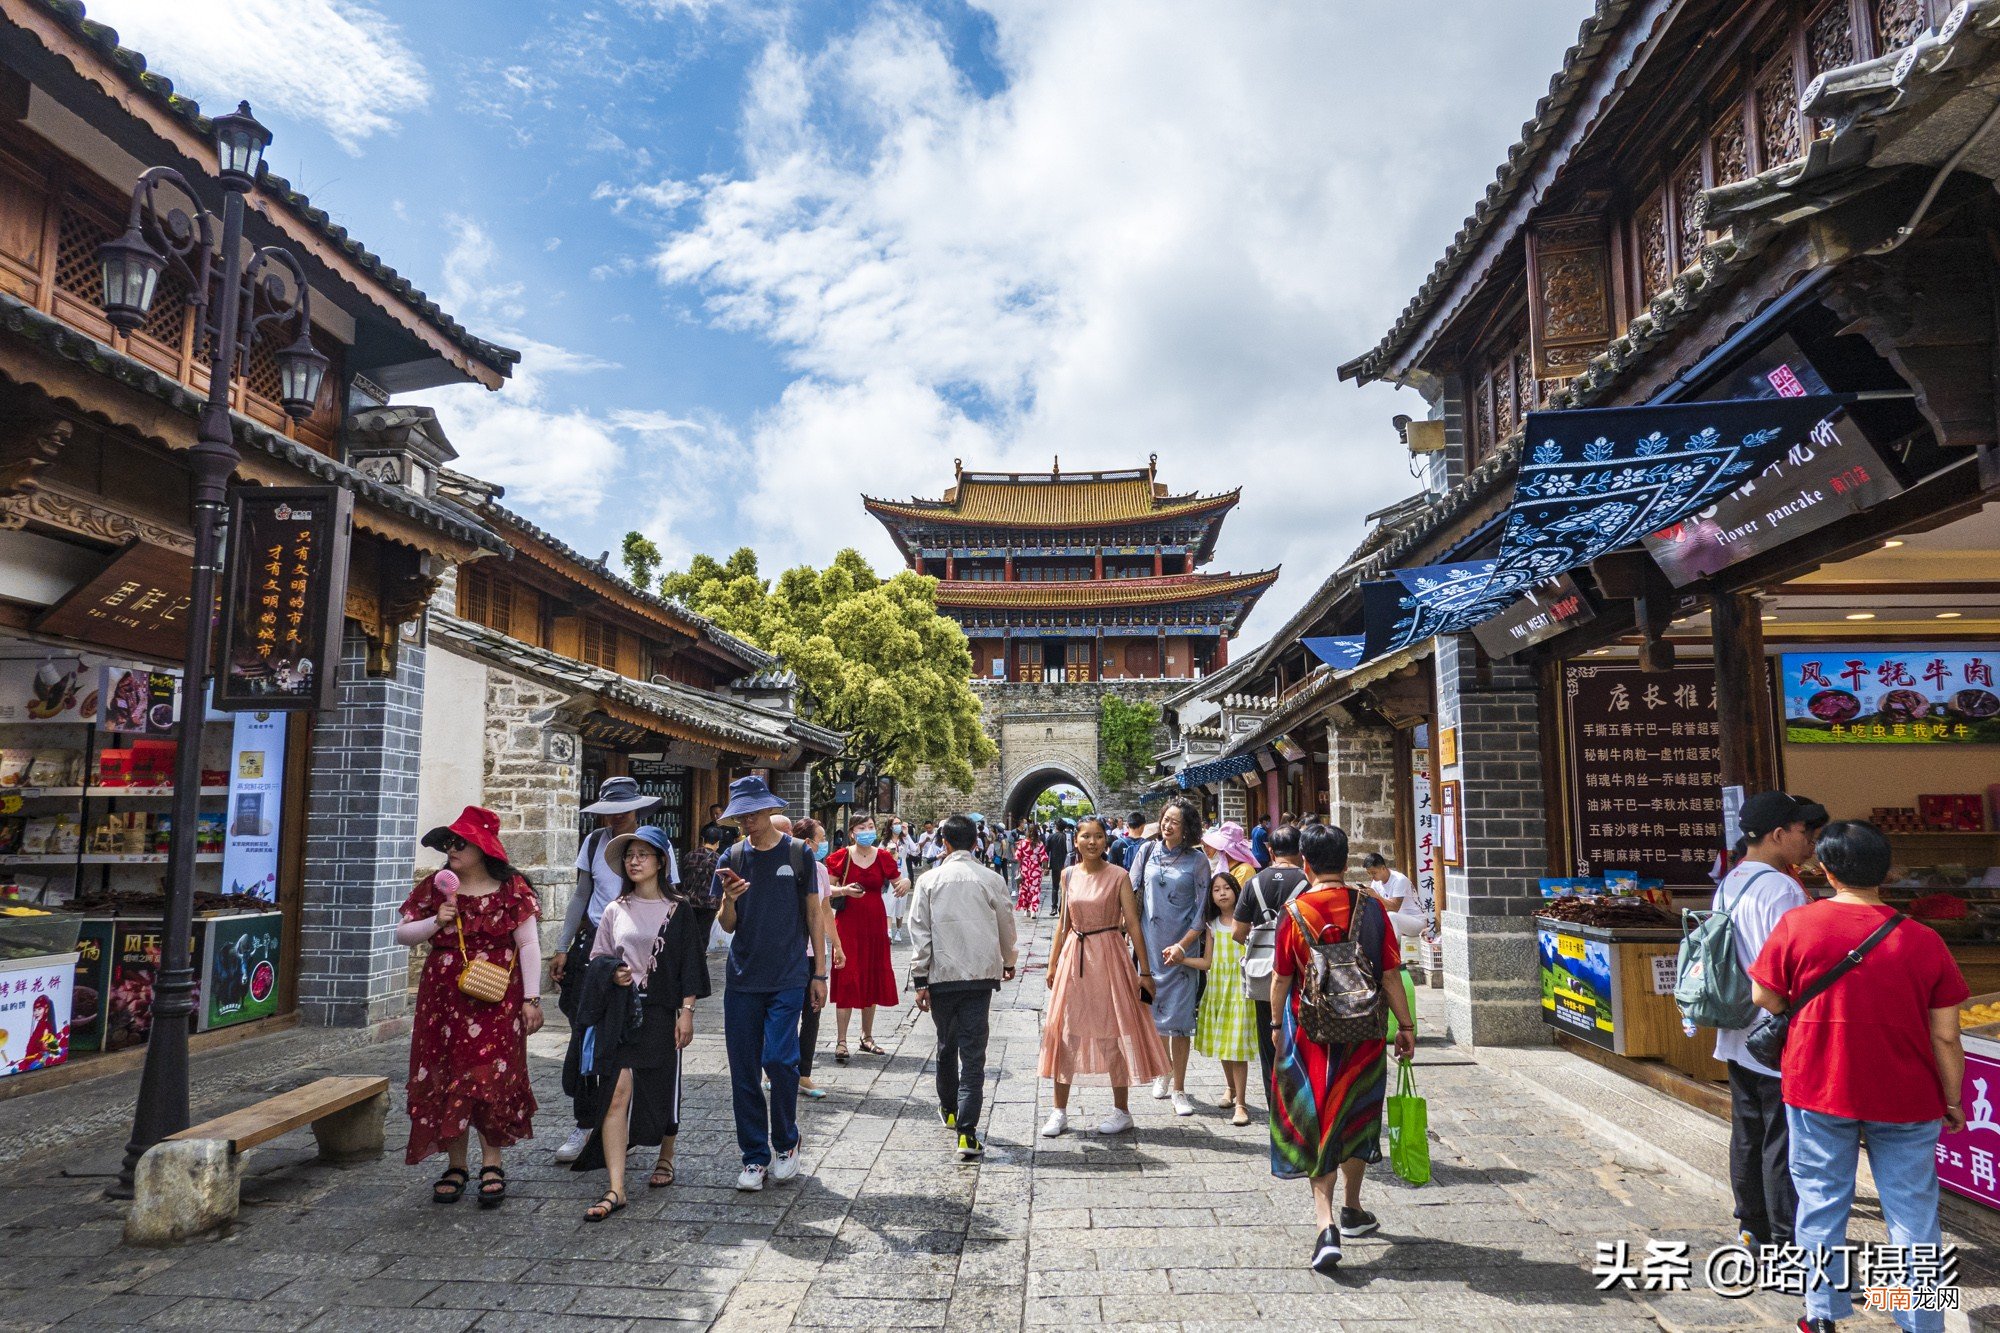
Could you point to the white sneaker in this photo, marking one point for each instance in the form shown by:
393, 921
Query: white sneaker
572, 1147
751, 1180
1057, 1123
1161, 1088
1183, 1104
785, 1165
1115, 1123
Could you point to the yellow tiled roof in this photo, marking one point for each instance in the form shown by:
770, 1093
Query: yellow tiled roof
1052, 502
968, 593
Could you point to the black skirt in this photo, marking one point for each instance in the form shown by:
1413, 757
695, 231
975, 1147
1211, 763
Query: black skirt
681, 970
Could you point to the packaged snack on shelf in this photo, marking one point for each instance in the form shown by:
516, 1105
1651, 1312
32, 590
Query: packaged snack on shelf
163, 834
208, 835
36, 835
114, 768
66, 836
153, 763
14, 767
10, 836
51, 768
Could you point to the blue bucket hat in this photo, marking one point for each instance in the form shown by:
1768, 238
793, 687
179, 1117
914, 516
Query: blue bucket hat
652, 836
749, 795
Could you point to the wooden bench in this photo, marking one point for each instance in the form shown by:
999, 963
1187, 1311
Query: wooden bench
191, 1182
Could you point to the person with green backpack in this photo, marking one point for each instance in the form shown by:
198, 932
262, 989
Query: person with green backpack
1714, 991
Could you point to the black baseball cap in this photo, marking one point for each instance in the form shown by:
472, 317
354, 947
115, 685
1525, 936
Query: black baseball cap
1768, 811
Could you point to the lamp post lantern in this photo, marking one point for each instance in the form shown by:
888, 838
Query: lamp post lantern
234, 299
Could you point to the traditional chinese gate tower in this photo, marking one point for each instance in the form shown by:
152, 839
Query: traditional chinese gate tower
1069, 585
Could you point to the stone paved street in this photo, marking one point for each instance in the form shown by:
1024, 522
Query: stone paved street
1178, 1226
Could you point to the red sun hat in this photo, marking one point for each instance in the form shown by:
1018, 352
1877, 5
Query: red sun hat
478, 826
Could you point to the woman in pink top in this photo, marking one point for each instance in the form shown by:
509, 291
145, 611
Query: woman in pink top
658, 943
1097, 1027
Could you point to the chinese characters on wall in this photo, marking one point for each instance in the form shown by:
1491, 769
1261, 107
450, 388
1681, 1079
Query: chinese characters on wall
1645, 770
287, 587
1918, 696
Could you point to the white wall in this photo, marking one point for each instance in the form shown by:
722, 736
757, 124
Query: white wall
454, 743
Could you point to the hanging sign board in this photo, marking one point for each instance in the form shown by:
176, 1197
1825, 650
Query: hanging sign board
1540, 615
137, 603
284, 599
256, 800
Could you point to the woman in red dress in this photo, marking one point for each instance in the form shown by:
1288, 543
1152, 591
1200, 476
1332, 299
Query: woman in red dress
860, 872
1034, 862
468, 1058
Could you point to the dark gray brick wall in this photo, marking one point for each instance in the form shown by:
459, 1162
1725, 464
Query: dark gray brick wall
361, 842
1500, 776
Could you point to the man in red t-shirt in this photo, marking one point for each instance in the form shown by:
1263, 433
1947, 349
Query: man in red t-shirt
1877, 1051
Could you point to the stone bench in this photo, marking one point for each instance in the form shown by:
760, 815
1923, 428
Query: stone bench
191, 1182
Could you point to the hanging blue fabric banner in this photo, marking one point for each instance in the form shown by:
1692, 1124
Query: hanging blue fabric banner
1598, 480
1429, 600
1342, 654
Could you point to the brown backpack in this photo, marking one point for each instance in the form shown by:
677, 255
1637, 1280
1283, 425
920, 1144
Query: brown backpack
1340, 993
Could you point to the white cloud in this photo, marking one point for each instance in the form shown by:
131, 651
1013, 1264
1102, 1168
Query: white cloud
352, 73
1160, 236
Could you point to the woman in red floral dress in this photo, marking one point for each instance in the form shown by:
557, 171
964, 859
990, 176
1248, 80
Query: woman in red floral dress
468, 1058
860, 872
1034, 862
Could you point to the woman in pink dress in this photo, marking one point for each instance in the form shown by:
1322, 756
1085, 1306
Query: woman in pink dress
1097, 1027
1034, 861
865, 974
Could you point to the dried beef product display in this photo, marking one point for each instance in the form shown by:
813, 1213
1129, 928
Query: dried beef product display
1608, 913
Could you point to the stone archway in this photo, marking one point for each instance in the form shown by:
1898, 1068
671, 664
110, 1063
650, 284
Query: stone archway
1022, 790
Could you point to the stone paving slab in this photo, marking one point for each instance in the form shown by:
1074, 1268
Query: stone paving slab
1178, 1226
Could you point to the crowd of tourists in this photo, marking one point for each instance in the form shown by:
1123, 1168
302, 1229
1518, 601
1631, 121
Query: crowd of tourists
1172, 939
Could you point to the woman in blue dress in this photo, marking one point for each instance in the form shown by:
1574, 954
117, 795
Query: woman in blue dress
1171, 877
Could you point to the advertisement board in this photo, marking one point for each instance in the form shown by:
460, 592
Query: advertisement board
1576, 987
280, 640
1644, 754
1913, 696
35, 1012
256, 802
243, 959
1966, 1160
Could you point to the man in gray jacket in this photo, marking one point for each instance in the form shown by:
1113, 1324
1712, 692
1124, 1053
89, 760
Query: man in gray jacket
962, 948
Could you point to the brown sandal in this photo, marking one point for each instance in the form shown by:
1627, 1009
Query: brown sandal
867, 1046
604, 1207
663, 1176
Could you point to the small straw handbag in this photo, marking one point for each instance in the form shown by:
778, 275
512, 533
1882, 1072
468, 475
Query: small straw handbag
482, 980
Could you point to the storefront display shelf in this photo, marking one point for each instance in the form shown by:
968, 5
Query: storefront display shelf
1614, 934
103, 859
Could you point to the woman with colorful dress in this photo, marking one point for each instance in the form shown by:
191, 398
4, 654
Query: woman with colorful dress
469, 1058
652, 933
1034, 863
865, 975
1170, 877
1096, 1028
1326, 1101
1224, 1027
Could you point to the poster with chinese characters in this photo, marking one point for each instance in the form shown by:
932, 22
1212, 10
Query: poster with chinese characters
256, 797
1966, 1160
1645, 769
1915, 696
280, 644
34, 1012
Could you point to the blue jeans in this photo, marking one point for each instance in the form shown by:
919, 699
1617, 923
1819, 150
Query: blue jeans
1825, 1153
761, 1032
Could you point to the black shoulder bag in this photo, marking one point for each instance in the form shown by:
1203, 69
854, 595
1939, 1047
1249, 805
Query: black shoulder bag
1765, 1041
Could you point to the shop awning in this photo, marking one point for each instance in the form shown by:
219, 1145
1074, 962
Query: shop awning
1215, 770
1340, 654
1594, 481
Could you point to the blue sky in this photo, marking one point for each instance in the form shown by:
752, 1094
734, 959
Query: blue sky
765, 255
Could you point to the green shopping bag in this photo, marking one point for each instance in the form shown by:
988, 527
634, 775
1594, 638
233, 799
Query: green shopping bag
1410, 992
1409, 1129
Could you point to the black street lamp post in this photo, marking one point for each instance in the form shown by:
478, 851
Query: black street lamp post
232, 306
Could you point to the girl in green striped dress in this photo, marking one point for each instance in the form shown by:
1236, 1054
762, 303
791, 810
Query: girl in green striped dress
1225, 1025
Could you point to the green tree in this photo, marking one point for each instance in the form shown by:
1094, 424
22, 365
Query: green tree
641, 558
874, 653
1066, 803
1124, 739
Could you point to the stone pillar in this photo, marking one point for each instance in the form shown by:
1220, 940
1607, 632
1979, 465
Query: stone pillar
1361, 783
361, 841
1233, 802
1492, 991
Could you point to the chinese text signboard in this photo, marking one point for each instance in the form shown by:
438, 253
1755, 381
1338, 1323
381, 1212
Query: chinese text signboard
285, 600
1966, 1160
1541, 615
1645, 770
139, 602
1914, 697
1576, 986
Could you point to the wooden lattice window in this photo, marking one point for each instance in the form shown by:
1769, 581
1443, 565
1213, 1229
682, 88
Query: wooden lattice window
1482, 422
1655, 246
485, 600
1729, 147
1527, 389
1898, 23
1780, 137
600, 644
170, 307
1688, 184
77, 237
1503, 399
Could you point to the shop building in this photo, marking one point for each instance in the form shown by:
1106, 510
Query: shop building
1715, 204
307, 820
549, 673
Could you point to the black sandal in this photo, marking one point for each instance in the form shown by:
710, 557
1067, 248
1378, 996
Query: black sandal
450, 1187
663, 1176
611, 1202
868, 1047
491, 1175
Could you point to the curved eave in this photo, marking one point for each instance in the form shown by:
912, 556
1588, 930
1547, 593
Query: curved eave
893, 512
1104, 594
